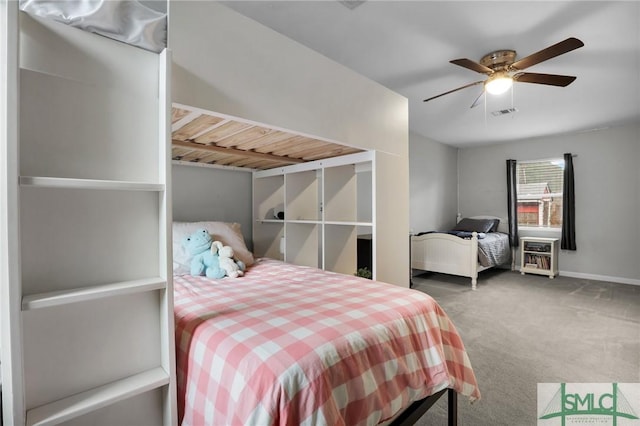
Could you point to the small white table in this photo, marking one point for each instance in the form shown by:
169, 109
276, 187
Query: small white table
539, 255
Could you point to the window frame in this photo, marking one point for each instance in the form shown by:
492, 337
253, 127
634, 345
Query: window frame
544, 229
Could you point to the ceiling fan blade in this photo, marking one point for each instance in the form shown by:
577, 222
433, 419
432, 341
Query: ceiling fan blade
548, 79
473, 66
557, 49
477, 101
454, 90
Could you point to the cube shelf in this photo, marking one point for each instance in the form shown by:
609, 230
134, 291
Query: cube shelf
324, 205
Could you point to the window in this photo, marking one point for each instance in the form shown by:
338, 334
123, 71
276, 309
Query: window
540, 193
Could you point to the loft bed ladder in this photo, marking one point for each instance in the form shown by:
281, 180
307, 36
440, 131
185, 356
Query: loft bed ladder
86, 300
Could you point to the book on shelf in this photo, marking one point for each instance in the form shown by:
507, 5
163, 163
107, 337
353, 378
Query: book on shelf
537, 262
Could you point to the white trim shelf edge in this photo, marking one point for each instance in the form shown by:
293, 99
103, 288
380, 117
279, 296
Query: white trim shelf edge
71, 183
316, 222
347, 223
93, 399
83, 294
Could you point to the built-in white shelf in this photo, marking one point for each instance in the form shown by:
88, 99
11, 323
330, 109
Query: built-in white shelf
85, 402
326, 204
63, 297
338, 222
71, 183
313, 222
305, 221
91, 326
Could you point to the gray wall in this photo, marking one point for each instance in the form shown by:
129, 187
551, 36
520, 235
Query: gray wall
607, 186
212, 194
433, 184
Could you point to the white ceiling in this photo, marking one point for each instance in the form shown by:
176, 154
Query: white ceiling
407, 45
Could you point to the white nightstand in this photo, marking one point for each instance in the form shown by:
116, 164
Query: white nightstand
539, 256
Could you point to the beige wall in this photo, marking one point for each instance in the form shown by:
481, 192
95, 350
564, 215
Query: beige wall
227, 63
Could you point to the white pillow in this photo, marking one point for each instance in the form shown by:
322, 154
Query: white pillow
230, 234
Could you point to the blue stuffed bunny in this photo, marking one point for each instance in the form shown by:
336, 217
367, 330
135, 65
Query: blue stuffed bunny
204, 261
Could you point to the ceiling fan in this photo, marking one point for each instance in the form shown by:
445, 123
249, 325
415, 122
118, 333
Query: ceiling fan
502, 69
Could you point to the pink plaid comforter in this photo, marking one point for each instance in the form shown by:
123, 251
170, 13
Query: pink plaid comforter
295, 345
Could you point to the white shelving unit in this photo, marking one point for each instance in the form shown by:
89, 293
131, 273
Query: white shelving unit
268, 233
55, 298
87, 299
70, 183
539, 256
94, 399
324, 211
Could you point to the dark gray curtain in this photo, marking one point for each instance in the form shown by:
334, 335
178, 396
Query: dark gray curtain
568, 241
512, 202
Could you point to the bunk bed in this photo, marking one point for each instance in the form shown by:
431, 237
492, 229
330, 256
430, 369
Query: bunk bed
431, 360
289, 344
473, 245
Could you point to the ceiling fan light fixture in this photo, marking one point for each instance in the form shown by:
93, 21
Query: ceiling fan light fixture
498, 84
502, 69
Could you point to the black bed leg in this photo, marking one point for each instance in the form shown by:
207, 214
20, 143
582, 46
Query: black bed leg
410, 268
452, 398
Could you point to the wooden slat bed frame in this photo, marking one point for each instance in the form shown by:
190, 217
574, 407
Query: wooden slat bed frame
205, 137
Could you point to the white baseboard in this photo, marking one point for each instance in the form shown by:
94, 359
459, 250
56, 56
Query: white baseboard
608, 278
595, 277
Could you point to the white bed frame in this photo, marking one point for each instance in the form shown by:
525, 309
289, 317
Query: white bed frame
449, 254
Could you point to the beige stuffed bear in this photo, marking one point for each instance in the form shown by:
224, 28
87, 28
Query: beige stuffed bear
232, 267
